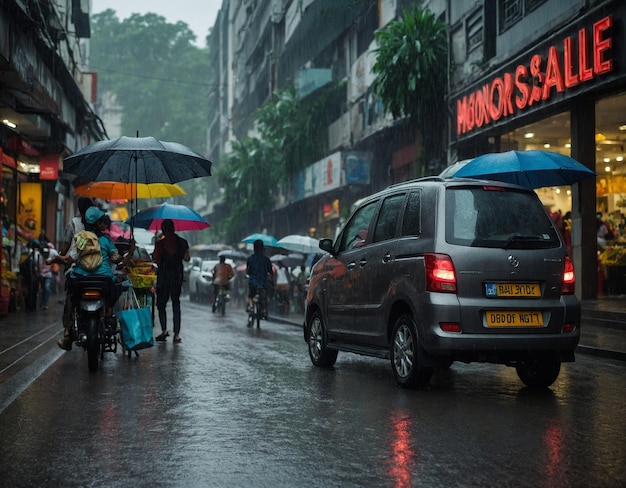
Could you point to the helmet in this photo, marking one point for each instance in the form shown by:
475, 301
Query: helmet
93, 214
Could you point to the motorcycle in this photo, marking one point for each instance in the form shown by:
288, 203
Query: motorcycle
91, 328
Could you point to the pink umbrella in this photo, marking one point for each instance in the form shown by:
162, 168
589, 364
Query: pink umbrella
183, 217
116, 232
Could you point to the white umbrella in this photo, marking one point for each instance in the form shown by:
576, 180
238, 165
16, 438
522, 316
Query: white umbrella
303, 244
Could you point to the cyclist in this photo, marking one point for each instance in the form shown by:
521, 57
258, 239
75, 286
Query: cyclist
259, 271
222, 273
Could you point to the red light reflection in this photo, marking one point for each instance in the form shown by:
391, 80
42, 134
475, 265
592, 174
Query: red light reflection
553, 445
402, 457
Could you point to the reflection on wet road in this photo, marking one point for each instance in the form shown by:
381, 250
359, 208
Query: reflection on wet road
233, 406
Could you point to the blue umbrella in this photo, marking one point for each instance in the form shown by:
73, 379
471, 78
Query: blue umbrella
530, 169
268, 241
183, 217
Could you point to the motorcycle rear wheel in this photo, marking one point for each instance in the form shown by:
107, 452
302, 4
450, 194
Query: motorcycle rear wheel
93, 343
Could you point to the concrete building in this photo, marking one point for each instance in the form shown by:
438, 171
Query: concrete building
518, 67
261, 47
46, 112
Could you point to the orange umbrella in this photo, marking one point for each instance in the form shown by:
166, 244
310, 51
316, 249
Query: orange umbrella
116, 190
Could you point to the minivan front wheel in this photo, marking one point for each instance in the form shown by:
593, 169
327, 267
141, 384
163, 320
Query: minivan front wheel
319, 352
539, 371
407, 355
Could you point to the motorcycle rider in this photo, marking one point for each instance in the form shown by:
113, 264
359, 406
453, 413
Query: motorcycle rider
94, 222
222, 273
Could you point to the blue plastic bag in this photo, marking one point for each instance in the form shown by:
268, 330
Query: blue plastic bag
136, 324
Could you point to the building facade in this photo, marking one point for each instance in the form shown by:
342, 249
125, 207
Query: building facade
524, 74
260, 47
46, 113
549, 75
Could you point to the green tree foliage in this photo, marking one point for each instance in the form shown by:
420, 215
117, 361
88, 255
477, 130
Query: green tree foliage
293, 135
249, 177
411, 76
159, 78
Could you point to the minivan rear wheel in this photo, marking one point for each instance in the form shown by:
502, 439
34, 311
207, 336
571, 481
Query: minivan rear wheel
407, 356
319, 352
539, 371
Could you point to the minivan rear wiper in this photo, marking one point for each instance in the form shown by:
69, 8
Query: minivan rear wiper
519, 237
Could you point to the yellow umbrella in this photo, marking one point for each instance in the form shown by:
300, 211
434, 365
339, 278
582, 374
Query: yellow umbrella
116, 190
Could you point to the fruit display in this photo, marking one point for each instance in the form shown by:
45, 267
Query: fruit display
141, 273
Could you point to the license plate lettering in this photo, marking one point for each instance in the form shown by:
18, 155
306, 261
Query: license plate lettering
514, 318
512, 290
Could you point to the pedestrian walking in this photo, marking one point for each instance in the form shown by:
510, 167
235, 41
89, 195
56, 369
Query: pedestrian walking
169, 253
46, 273
29, 271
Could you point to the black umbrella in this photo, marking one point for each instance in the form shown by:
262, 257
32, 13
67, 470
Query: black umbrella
137, 160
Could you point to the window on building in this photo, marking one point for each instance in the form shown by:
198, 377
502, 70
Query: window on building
511, 12
474, 30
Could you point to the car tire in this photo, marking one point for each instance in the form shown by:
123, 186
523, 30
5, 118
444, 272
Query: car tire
407, 355
319, 352
539, 371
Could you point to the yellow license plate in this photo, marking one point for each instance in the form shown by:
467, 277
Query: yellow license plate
514, 318
513, 290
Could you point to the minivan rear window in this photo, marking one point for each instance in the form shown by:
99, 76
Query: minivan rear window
482, 217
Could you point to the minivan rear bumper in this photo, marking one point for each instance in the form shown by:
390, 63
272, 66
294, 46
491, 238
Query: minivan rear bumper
497, 344
499, 348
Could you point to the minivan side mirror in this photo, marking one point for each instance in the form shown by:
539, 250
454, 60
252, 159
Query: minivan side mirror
326, 245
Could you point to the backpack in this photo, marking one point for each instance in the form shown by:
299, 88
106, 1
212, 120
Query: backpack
89, 251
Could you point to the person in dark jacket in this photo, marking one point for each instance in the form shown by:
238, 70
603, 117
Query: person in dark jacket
259, 271
169, 253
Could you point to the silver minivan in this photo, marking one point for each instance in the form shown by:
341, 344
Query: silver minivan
433, 271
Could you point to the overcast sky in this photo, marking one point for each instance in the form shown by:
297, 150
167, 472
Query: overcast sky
199, 15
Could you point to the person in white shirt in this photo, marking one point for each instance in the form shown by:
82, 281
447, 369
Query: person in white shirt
45, 273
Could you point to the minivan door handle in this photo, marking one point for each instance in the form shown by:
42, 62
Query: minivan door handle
387, 257
362, 262
351, 265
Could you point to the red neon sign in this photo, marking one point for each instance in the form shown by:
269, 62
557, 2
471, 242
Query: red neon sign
531, 84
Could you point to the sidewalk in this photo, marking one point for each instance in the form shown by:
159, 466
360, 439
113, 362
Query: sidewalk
603, 327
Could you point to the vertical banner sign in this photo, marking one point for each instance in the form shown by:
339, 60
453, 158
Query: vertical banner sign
49, 167
29, 211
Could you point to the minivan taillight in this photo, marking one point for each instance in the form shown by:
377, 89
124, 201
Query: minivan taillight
569, 280
440, 274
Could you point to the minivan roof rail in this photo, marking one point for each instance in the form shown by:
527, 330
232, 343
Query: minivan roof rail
425, 178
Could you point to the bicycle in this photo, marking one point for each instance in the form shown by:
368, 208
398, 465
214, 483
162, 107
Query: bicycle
221, 299
259, 307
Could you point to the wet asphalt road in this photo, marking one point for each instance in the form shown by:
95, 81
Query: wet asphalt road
232, 406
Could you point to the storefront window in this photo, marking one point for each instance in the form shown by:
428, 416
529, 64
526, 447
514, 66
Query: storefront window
610, 165
611, 192
551, 134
